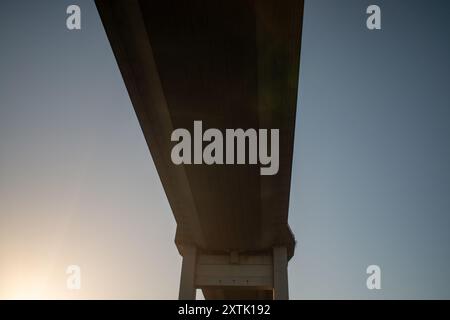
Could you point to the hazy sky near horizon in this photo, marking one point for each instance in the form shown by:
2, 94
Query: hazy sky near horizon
371, 175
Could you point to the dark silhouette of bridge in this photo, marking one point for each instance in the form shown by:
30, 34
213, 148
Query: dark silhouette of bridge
230, 64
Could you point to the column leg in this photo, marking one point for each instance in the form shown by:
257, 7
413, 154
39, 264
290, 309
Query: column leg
187, 281
280, 274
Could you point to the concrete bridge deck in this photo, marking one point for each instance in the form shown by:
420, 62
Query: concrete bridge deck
230, 64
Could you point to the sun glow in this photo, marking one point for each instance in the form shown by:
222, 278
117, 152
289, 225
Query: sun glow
24, 288
28, 281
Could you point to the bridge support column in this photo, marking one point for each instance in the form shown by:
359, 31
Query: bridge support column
234, 275
187, 281
280, 274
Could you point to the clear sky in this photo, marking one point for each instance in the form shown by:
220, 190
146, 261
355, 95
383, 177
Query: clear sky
371, 176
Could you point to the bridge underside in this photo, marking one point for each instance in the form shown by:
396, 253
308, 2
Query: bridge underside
231, 64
